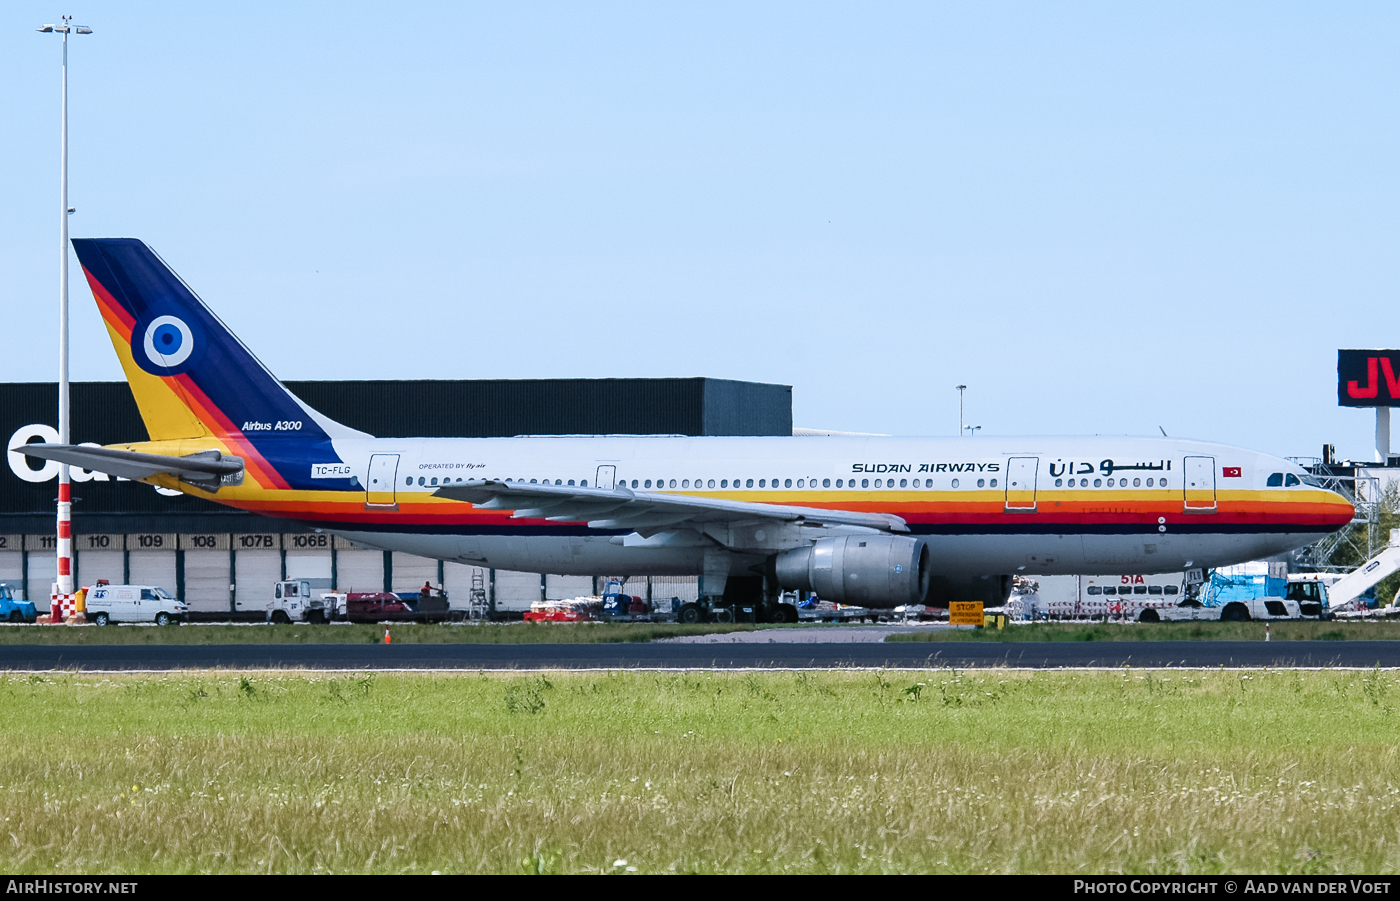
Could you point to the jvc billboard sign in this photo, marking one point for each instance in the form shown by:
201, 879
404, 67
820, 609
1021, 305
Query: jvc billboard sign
1368, 378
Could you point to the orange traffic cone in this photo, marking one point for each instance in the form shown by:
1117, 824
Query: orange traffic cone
387, 639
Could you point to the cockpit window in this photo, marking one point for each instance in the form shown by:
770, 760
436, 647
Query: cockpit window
1310, 481
1275, 480
1291, 481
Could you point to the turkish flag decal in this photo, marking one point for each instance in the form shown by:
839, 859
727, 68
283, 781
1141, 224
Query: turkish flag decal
1231, 472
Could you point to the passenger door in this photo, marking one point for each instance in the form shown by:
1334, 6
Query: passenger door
382, 490
1199, 484
606, 476
1020, 484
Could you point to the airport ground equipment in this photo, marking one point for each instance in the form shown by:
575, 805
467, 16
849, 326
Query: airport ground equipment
13, 610
387, 607
293, 601
134, 604
478, 605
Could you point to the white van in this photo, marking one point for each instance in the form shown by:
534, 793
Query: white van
133, 604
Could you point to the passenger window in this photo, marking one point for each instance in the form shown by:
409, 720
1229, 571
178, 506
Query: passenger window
582, 484
409, 480
749, 483
826, 483
838, 483
955, 483
928, 483
1275, 480
1109, 589
673, 483
685, 483
634, 482
1059, 482
981, 483
571, 481
877, 483
1139, 589
1291, 480
865, 483
994, 483
1154, 589
434, 480
762, 482
903, 483
1171, 589
712, 483
1098, 483
787, 483
724, 483
1137, 483
647, 483
799, 483
1092, 589
421, 480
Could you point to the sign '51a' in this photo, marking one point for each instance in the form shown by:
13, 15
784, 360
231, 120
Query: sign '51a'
1368, 378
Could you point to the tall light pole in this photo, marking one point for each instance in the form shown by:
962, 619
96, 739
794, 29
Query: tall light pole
961, 389
62, 597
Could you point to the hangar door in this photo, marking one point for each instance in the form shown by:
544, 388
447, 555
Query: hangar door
12, 561
359, 570
256, 573
516, 590
207, 578
1200, 484
411, 571
43, 570
99, 557
151, 560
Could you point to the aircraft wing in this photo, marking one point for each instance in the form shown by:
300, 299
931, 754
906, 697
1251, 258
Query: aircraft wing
206, 466
646, 512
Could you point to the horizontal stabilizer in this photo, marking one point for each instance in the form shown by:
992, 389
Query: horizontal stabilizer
645, 511
204, 468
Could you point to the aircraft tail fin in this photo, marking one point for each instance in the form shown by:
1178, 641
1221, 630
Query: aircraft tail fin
192, 378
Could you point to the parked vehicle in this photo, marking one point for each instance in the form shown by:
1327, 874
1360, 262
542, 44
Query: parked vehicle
293, 601
384, 606
13, 610
134, 604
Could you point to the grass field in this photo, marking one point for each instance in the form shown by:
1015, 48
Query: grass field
1281, 631
816, 773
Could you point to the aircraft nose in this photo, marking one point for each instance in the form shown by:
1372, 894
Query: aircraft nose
1344, 504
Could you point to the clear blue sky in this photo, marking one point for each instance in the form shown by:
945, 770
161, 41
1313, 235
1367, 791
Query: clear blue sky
1100, 217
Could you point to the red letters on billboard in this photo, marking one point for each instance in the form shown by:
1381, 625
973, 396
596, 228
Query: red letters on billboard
1359, 375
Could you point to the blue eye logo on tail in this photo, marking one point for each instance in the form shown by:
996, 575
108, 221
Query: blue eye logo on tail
168, 345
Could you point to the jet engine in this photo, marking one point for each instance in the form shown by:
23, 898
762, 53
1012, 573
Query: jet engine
872, 570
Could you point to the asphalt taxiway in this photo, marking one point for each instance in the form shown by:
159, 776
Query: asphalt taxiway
698, 656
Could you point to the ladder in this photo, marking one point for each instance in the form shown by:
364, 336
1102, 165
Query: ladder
477, 604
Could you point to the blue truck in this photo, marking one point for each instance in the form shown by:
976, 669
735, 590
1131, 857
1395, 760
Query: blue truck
15, 611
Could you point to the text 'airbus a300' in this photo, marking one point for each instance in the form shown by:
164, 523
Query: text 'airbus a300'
870, 520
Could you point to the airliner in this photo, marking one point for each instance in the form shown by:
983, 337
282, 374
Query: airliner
876, 521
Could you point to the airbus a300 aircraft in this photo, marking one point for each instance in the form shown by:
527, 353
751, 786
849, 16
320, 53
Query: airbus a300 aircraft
876, 521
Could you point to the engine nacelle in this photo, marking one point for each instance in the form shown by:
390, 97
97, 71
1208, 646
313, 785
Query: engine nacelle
871, 570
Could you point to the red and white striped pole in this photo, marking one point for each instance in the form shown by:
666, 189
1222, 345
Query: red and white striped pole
61, 600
